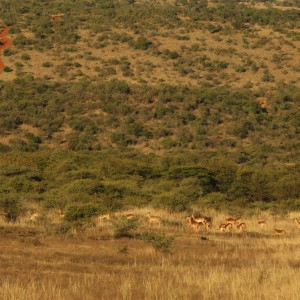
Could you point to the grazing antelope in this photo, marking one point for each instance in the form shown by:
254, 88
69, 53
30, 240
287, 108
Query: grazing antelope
222, 227
279, 232
297, 223
105, 217
193, 224
34, 216
153, 219
228, 227
242, 226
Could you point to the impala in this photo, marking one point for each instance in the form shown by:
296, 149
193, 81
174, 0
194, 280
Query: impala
237, 221
222, 227
207, 224
193, 224
262, 224
228, 227
279, 232
297, 223
153, 219
129, 216
34, 216
105, 217
230, 221
242, 226
61, 213
199, 219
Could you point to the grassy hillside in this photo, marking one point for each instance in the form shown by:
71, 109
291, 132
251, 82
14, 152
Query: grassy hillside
121, 118
191, 101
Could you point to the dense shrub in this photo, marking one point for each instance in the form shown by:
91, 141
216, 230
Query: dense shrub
81, 212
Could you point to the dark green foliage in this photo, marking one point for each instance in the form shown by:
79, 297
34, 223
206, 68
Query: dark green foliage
7, 69
11, 207
215, 144
81, 213
142, 43
8, 52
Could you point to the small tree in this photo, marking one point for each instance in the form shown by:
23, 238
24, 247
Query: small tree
12, 208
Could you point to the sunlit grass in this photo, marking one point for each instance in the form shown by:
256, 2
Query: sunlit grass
248, 265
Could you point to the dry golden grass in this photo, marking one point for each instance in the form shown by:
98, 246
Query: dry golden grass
249, 265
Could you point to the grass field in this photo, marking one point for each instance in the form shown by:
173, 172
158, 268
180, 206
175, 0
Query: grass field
93, 265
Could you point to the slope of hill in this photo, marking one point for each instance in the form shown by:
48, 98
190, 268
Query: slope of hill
204, 89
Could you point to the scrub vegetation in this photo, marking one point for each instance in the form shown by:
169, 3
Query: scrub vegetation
112, 109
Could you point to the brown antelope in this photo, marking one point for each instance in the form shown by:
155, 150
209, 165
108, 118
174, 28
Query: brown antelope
242, 226
237, 221
153, 219
129, 216
297, 223
193, 224
199, 219
34, 216
230, 221
102, 218
279, 232
228, 227
222, 227
207, 224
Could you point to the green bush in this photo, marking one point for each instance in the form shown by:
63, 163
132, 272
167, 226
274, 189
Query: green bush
25, 56
81, 212
7, 69
11, 207
47, 64
141, 43
8, 52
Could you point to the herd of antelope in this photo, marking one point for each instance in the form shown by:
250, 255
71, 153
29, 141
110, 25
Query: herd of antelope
194, 222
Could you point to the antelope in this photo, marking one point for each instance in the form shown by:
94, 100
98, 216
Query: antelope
61, 213
129, 216
207, 224
242, 226
230, 221
297, 223
237, 221
222, 227
101, 218
199, 219
153, 219
228, 227
262, 224
279, 232
193, 224
34, 216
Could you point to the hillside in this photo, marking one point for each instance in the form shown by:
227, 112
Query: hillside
197, 101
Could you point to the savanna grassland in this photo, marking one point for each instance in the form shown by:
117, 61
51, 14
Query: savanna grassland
173, 107
95, 265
